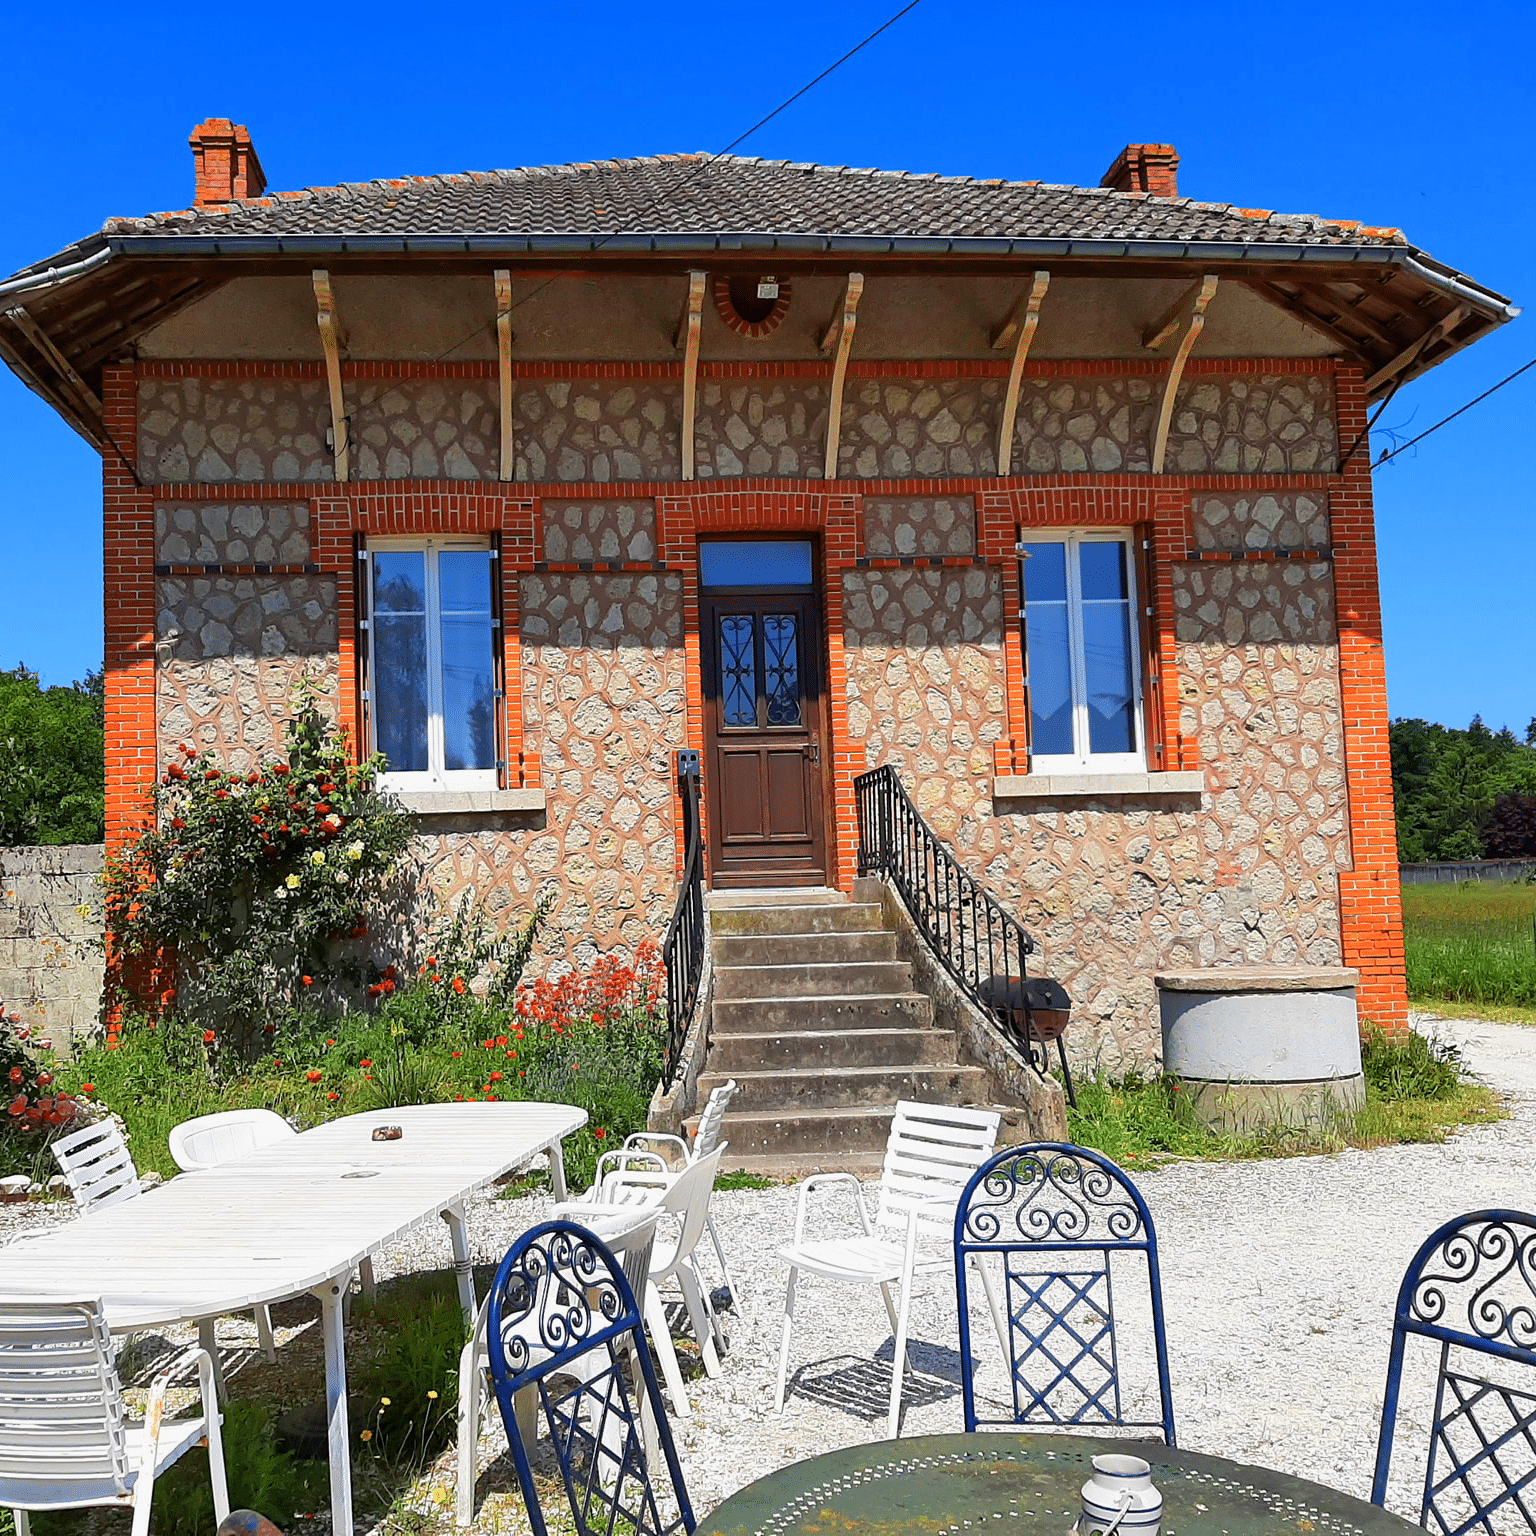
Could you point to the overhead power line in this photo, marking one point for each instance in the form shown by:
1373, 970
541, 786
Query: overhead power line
1460, 411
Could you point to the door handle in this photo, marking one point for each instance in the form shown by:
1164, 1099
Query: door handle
812, 750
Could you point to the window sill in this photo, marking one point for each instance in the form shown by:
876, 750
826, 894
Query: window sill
1083, 786
470, 802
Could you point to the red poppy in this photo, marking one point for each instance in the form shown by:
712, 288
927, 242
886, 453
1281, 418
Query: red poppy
221, 794
276, 1062
213, 773
365, 1062
330, 1095
189, 749
269, 1029
388, 986
44, 1078
322, 809
16, 1074
177, 822
330, 1042
389, 973
308, 981
279, 767
458, 985
495, 1077
458, 1053
312, 1076
599, 1132
208, 1037
87, 1087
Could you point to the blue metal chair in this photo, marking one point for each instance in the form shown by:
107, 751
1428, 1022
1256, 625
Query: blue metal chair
1057, 1215
1471, 1289
561, 1326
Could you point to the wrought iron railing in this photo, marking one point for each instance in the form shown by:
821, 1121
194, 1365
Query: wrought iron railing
969, 931
682, 951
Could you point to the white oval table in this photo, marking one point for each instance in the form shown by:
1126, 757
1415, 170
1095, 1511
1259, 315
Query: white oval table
293, 1218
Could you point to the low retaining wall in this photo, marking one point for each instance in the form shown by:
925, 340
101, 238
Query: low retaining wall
50, 956
1467, 869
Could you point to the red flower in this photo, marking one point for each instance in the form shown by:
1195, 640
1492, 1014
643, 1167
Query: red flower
389, 973
388, 986
177, 822
189, 749
308, 981
330, 1095
44, 1078
458, 1053
495, 1077
87, 1087
322, 809
458, 985
312, 1076
208, 1037
327, 789
599, 1132
269, 1029
221, 794
17, 1104
376, 989
213, 773
501, 1039
365, 1062
279, 767
16, 1074
431, 959
255, 821
276, 1062
330, 1042
175, 771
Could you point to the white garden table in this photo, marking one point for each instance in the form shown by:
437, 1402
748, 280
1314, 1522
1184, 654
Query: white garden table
299, 1216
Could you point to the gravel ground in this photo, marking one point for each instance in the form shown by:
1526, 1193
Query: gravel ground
1279, 1279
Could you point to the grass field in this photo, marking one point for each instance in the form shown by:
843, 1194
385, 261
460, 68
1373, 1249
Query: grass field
1471, 948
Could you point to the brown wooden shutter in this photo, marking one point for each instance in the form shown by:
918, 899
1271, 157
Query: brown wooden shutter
499, 664
362, 647
1152, 681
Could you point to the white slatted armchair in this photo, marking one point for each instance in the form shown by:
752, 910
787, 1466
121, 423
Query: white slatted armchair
659, 1152
98, 1165
65, 1439
931, 1154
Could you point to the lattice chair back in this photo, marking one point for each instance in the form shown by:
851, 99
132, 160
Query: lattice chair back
1471, 1291
98, 1165
563, 1323
210, 1140
1063, 1221
63, 1438
707, 1137
932, 1150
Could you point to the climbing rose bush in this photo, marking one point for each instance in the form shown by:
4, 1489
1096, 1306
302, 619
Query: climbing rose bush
251, 889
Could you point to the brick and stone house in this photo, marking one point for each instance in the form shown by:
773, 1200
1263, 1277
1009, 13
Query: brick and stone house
1056, 498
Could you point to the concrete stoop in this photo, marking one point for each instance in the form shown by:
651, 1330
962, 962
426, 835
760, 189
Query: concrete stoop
821, 1026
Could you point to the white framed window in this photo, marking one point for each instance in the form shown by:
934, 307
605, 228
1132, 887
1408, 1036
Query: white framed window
1082, 653
432, 674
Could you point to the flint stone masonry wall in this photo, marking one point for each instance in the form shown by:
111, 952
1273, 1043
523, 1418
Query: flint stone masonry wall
245, 533
425, 429
1286, 520
605, 698
1116, 888
204, 616
598, 429
919, 525
919, 427
236, 706
50, 967
234, 429
599, 530
761, 427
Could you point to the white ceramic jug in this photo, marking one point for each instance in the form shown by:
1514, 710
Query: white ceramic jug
1119, 1497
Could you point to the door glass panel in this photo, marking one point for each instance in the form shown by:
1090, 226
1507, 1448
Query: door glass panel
469, 711
738, 670
1107, 648
399, 684
1049, 649
781, 669
755, 563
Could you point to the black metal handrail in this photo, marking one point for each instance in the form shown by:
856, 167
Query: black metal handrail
970, 932
682, 951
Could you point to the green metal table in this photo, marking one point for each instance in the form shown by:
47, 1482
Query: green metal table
946, 1485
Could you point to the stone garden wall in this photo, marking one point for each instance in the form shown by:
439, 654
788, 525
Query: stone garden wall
50, 959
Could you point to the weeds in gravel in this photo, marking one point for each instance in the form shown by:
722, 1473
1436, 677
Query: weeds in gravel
1415, 1091
741, 1179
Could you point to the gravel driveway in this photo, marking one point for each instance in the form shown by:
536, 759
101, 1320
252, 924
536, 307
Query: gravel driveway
1279, 1279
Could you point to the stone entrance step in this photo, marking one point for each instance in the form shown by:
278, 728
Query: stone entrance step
827, 1050
804, 1015
846, 978
817, 1087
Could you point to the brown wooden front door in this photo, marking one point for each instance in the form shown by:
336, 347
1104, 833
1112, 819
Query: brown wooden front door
763, 759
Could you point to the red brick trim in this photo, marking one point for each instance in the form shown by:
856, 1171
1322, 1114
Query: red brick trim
1370, 898
938, 368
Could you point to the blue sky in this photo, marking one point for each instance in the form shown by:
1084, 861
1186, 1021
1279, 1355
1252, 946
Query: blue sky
1418, 117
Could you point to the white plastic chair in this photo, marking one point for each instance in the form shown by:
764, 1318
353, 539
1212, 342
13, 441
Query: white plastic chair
209, 1140
629, 1234
932, 1151
98, 1165
685, 1196
65, 1442
640, 1152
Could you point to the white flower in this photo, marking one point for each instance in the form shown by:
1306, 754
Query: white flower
317, 858
342, 877
355, 851
292, 882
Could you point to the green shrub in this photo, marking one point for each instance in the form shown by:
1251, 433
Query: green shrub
1415, 1068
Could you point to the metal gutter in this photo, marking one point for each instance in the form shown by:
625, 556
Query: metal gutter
51, 275
1452, 284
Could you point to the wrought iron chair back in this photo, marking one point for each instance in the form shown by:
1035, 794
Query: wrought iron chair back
1056, 1215
563, 1323
1471, 1289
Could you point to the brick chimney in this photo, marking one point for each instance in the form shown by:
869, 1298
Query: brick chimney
1150, 168
224, 163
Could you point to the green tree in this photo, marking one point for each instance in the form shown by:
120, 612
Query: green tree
1446, 783
52, 774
